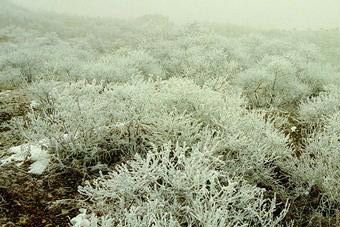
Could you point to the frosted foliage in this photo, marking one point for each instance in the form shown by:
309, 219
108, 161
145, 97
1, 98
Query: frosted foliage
147, 112
248, 152
122, 67
103, 123
317, 109
169, 188
189, 123
276, 81
319, 164
34, 58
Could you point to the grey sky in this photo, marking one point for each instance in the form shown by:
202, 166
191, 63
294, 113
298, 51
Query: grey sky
261, 13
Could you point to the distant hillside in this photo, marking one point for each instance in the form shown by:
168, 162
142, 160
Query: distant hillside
12, 14
110, 29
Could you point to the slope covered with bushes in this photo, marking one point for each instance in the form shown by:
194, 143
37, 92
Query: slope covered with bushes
191, 125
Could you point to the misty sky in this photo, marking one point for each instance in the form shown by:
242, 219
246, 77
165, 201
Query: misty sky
261, 13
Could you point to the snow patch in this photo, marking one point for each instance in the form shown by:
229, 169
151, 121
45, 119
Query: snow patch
18, 154
34, 104
293, 129
33, 152
81, 219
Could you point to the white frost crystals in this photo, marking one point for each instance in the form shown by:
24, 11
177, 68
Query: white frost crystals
29, 151
80, 220
90, 220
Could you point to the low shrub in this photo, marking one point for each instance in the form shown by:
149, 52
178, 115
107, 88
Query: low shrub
170, 188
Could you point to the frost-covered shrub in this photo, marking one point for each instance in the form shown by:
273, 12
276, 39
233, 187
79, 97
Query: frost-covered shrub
318, 76
17, 67
277, 82
122, 118
176, 186
73, 118
248, 144
272, 82
122, 67
200, 57
252, 147
256, 47
35, 58
103, 123
316, 109
319, 162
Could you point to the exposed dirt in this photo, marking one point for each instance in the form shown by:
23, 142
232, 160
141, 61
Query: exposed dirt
27, 200
12, 104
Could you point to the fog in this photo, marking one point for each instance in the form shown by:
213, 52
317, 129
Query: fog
300, 14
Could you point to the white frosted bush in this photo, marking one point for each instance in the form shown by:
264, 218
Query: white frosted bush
316, 109
318, 77
102, 123
277, 82
272, 83
319, 162
171, 188
35, 58
126, 117
122, 67
200, 57
20, 67
258, 47
251, 146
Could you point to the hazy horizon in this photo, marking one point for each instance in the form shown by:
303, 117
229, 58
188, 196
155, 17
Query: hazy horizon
282, 14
